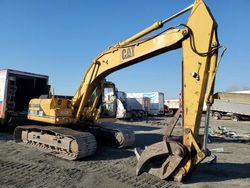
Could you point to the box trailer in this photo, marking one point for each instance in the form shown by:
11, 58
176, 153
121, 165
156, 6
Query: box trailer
142, 103
16, 90
172, 104
234, 105
156, 101
132, 108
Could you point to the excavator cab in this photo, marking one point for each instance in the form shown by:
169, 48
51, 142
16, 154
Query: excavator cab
108, 101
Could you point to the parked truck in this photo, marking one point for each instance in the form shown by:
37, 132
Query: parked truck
173, 105
156, 101
132, 108
233, 105
16, 90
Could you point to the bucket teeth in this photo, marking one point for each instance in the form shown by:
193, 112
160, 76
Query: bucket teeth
138, 153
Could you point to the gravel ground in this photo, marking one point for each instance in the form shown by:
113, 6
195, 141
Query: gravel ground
22, 166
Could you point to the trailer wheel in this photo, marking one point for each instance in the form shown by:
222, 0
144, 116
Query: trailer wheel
3, 124
217, 115
235, 118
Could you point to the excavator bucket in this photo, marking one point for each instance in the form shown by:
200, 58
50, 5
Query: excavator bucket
161, 159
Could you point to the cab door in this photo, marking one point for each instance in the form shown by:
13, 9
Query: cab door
108, 101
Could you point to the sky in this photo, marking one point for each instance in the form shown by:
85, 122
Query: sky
60, 38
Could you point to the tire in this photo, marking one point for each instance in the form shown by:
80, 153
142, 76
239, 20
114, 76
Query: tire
3, 124
235, 118
216, 115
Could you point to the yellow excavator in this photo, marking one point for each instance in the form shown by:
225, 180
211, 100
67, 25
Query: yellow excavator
58, 131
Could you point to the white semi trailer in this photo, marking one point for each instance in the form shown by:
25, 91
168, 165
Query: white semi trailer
156, 101
16, 90
131, 108
173, 105
234, 105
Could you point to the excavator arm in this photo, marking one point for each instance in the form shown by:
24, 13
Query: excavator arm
170, 158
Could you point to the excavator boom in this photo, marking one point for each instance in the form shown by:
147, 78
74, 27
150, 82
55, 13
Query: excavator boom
121, 56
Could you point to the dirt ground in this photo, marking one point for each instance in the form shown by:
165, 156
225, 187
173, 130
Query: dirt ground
22, 166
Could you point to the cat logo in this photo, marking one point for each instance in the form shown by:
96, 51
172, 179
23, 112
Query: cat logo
127, 52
